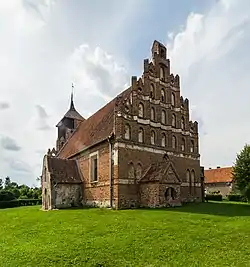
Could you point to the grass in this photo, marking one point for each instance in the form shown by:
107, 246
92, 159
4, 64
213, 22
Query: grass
206, 234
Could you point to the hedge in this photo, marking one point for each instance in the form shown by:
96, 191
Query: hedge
236, 198
213, 197
19, 203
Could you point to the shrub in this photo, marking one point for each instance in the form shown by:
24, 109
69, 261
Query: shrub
236, 198
19, 202
214, 197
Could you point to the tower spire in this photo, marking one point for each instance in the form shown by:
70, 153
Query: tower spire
72, 107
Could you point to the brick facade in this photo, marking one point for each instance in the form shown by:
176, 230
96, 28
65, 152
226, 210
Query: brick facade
144, 144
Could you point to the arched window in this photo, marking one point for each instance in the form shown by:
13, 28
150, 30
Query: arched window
127, 132
140, 110
138, 172
141, 135
162, 74
131, 171
173, 99
183, 144
152, 91
192, 146
163, 140
182, 123
193, 180
152, 137
163, 96
152, 114
173, 120
163, 117
174, 142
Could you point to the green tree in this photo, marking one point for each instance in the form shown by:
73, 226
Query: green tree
241, 171
1, 183
7, 182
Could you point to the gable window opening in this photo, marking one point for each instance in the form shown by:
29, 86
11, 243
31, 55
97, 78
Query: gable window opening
140, 135
173, 120
183, 145
152, 91
140, 110
127, 132
152, 137
152, 114
174, 145
163, 97
192, 146
163, 140
162, 74
94, 169
173, 99
182, 123
163, 117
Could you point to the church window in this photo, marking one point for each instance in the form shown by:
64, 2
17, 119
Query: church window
141, 110
173, 120
173, 99
189, 181
163, 140
140, 135
163, 117
193, 181
127, 132
94, 167
152, 114
152, 137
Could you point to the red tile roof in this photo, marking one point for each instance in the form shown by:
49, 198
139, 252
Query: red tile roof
96, 128
218, 175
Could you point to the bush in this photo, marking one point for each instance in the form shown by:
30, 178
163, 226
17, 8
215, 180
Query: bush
19, 203
214, 197
236, 198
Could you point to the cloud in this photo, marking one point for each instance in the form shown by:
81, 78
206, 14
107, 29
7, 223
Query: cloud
96, 69
9, 144
4, 105
210, 55
42, 118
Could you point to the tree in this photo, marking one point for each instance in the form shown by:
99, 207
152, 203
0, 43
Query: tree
241, 171
7, 182
1, 183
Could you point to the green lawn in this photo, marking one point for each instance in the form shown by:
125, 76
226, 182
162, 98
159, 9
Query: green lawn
207, 234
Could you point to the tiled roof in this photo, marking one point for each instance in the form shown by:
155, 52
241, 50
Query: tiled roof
96, 128
218, 175
63, 170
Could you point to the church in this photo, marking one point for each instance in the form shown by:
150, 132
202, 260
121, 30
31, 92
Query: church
139, 150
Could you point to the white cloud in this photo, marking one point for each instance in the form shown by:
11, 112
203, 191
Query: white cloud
210, 54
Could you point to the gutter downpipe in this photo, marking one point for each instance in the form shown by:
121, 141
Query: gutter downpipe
111, 165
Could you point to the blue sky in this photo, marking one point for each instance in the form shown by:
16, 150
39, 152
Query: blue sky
47, 44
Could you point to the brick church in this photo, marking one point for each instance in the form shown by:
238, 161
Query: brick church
139, 150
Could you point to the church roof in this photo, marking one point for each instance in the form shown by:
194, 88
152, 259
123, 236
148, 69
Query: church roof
72, 113
93, 130
63, 170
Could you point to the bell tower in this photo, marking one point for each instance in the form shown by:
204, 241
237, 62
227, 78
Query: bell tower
68, 124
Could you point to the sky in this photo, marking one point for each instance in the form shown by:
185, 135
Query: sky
98, 45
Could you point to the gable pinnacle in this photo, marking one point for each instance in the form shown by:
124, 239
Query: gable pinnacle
72, 107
